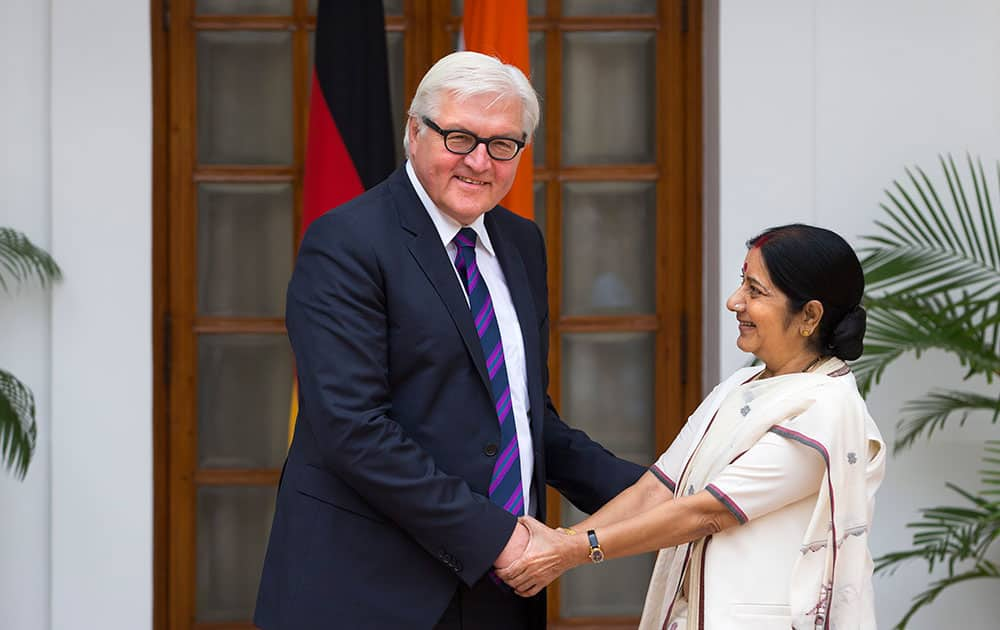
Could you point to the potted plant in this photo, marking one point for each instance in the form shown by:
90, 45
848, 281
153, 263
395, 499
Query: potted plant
20, 262
933, 278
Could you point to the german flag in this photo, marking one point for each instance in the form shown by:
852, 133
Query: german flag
350, 143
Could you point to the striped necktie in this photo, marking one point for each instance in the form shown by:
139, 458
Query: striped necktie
505, 485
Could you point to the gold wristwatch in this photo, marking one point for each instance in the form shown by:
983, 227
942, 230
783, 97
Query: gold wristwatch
596, 553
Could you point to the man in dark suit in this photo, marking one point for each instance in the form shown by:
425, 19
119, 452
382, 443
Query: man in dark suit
418, 316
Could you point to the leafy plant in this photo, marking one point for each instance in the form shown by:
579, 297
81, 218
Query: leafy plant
20, 262
933, 278
958, 537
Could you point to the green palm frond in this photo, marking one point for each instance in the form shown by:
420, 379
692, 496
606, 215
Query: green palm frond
954, 537
930, 413
949, 535
927, 249
983, 569
933, 282
20, 260
968, 327
17, 424
991, 474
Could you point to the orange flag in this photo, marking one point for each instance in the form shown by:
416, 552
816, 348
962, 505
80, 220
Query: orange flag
500, 28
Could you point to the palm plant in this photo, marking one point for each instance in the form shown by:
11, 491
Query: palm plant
933, 278
20, 262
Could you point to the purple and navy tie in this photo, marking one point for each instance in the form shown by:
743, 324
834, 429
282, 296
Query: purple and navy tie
505, 485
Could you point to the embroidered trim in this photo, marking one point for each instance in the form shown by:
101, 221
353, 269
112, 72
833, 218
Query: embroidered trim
812, 547
663, 477
802, 439
841, 371
860, 530
729, 503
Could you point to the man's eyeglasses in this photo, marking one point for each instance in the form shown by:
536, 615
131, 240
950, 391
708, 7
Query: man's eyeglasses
463, 142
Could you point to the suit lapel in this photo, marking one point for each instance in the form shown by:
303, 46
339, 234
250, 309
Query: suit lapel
432, 258
516, 276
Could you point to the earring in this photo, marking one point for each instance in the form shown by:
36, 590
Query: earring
805, 332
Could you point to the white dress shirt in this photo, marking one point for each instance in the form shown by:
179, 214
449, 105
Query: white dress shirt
510, 330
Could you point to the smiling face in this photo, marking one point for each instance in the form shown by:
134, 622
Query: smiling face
767, 327
466, 186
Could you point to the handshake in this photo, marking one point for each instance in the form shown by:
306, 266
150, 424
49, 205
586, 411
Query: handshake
536, 555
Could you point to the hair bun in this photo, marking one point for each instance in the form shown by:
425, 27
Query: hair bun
847, 340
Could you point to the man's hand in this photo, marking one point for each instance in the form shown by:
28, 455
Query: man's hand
549, 554
518, 542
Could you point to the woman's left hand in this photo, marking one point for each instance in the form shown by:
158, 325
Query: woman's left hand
548, 555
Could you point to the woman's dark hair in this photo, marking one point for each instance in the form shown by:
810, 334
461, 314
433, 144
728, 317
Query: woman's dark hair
813, 263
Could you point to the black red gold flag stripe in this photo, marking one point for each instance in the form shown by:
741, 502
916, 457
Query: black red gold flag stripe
349, 147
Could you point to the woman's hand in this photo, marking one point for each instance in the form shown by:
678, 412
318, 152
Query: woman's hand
549, 554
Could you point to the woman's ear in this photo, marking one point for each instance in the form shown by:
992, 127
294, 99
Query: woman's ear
812, 313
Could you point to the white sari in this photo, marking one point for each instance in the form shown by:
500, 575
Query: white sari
830, 585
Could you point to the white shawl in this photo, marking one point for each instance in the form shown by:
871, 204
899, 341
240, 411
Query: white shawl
831, 585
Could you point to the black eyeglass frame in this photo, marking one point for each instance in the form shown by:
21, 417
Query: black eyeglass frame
447, 132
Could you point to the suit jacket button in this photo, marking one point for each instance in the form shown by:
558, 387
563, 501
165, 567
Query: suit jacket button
490, 450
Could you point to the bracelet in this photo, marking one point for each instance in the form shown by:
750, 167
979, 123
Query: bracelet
567, 531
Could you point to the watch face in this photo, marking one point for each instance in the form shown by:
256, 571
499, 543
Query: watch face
596, 555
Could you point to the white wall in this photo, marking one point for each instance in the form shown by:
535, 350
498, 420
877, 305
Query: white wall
820, 106
76, 176
25, 322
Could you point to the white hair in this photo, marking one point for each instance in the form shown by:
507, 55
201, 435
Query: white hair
466, 74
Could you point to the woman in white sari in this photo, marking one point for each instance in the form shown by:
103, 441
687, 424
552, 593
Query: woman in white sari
761, 507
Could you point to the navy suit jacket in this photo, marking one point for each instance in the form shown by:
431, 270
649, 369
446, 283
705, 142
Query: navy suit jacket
382, 510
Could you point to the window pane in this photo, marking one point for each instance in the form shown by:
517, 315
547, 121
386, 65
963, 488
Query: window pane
609, 84
536, 43
310, 65
609, 247
608, 7
535, 7
233, 525
244, 393
244, 7
397, 68
245, 253
608, 391
539, 189
244, 97
618, 589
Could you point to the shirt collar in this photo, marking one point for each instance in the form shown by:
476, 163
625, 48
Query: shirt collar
447, 227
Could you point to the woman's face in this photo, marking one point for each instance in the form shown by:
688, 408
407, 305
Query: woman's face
767, 328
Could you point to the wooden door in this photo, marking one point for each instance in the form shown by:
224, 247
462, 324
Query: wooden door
617, 194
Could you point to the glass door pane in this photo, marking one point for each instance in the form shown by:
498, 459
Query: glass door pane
608, 111
244, 248
245, 97
608, 391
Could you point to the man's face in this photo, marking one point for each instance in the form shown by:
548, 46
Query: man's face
466, 186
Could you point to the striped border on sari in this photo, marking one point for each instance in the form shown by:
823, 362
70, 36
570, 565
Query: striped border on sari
663, 477
802, 439
728, 502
